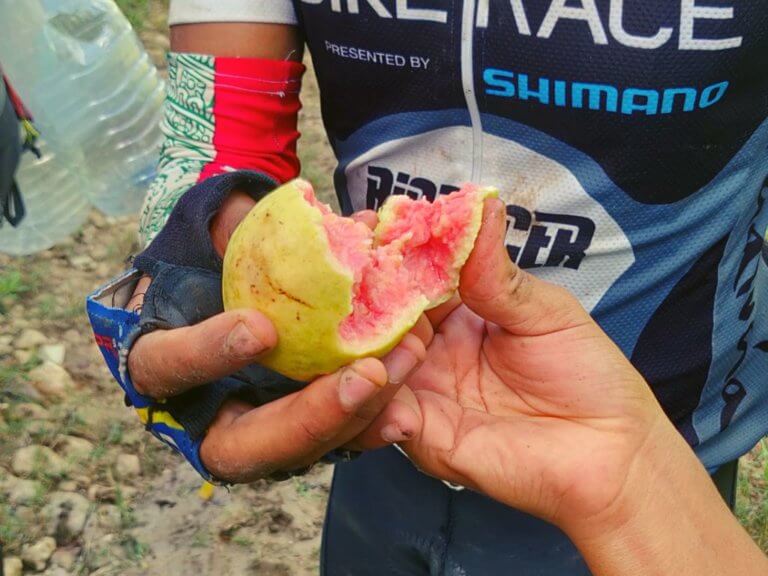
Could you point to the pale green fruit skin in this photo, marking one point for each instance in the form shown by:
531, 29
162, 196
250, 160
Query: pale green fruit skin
279, 262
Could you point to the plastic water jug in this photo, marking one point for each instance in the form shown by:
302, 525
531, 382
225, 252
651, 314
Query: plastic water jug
85, 76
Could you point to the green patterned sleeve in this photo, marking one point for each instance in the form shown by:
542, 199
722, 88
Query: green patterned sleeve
188, 126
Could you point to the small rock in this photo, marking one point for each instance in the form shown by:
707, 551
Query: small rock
56, 571
99, 251
28, 391
30, 339
74, 448
65, 558
40, 428
127, 493
102, 271
109, 517
26, 514
73, 336
36, 458
100, 551
270, 568
65, 515
99, 493
29, 411
83, 480
22, 492
127, 466
82, 262
36, 555
53, 353
12, 566
98, 219
68, 486
51, 380
22, 356
5, 344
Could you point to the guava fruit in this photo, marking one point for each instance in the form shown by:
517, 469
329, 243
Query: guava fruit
336, 290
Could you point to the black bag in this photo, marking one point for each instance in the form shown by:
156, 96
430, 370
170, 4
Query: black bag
11, 204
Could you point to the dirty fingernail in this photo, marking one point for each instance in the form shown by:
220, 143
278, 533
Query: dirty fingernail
399, 363
392, 434
354, 390
242, 343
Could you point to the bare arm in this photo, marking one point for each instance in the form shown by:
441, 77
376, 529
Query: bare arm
670, 520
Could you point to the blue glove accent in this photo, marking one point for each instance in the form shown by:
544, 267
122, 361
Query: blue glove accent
115, 330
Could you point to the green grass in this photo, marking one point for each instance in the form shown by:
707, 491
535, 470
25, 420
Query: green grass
752, 500
135, 10
136, 550
13, 375
13, 532
18, 281
12, 284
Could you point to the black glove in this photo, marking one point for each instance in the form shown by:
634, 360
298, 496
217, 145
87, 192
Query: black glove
186, 289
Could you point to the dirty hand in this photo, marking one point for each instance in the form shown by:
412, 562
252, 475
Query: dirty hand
523, 397
358, 407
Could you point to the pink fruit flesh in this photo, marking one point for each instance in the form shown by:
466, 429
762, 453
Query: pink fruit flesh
414, 256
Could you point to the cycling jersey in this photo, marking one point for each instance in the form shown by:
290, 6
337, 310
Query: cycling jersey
631, 145
630, 141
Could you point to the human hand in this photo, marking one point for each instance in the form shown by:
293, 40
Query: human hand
358, 407
523, 397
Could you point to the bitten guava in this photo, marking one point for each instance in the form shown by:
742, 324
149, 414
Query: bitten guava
336, 290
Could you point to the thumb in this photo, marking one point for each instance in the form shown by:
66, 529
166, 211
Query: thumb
497, 290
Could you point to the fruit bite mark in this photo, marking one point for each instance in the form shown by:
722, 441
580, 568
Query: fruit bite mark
411, 262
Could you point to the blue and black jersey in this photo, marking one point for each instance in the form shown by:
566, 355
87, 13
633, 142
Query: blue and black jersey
630, 142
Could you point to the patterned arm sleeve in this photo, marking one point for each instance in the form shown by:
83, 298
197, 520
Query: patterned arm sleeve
223, 115
188, 146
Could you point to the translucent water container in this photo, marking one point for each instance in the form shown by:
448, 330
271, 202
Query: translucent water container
85, 76
53, 194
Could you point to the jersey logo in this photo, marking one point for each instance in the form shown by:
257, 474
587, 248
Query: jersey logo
553, 239
691, 18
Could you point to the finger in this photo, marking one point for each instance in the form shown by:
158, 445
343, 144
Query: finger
226, 220
398, 422
423, 330
137, 299
167, 362
296, 430
437, 315
367, 217
496, 289
400, 366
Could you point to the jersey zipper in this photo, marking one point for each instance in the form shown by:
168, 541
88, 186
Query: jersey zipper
468, 84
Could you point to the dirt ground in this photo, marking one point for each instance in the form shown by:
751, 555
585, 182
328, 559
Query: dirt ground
114, 500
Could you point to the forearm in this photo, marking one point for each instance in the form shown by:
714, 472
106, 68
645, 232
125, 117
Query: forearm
671, 520
224, 113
